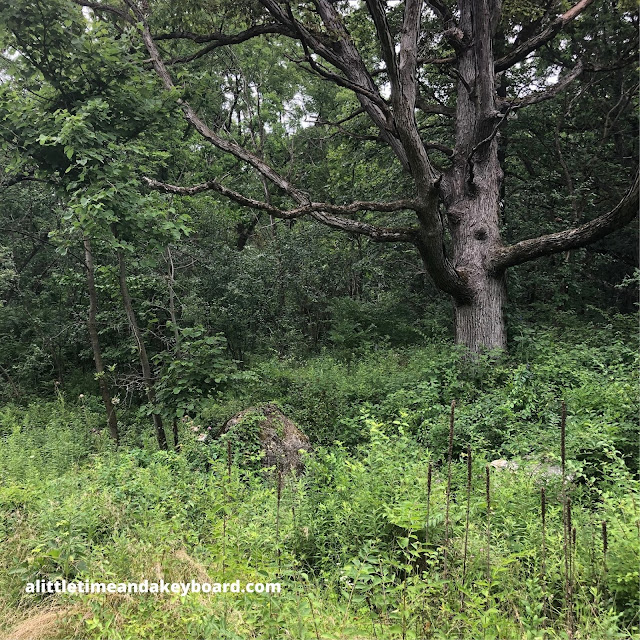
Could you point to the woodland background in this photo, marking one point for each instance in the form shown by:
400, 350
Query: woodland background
397, 528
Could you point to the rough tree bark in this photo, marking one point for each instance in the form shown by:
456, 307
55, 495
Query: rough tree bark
112, 419
474, 183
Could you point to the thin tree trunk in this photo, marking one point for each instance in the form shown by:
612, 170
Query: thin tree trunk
14, 388
142, 351
112, 419
171, 272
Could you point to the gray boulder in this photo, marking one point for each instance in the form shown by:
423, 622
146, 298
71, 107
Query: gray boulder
539, 470
280, 438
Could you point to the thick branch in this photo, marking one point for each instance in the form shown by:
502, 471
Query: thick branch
221, 37
341, 81
99, 6
353, 207
212, 185
377, 234
521, 52
551, 92
351, 116
443, 11
377, 10
329, 214
430, 107
564, 82
9, 182
404, 94
623, 213
217, 40
408, 54
448, 151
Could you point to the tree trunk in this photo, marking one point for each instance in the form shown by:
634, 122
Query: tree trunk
171, 279
479, 324
142, 351
479, 318
176, 440
473, 198
171, 273
112, 419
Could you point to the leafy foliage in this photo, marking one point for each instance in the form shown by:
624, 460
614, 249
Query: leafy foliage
199, 370
350, 543
348, 336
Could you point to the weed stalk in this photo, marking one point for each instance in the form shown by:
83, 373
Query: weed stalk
605, 549
426, 526
278, 501
487, 470
224, 515
448, 496
466, 524
566, 519
543, 563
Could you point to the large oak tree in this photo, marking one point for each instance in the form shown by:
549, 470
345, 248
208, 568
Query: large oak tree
393, 56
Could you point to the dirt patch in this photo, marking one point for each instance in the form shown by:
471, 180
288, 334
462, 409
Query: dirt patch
195, 568
43, 625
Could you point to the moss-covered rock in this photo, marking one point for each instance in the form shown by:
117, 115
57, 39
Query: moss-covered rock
266, 428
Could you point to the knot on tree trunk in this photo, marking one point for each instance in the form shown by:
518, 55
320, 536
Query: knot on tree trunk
455, 37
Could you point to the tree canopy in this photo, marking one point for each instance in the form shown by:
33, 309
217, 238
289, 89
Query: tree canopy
431, 89
447, 142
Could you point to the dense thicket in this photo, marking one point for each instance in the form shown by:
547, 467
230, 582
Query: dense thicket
137, 317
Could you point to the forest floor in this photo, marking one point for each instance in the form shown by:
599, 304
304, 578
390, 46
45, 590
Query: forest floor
380, 537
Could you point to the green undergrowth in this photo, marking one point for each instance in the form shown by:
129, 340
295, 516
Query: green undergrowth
508, 406
349, 541
362, 543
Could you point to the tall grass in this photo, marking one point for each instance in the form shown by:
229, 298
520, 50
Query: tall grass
356, 552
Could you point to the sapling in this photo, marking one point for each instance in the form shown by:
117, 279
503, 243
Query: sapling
313, 617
